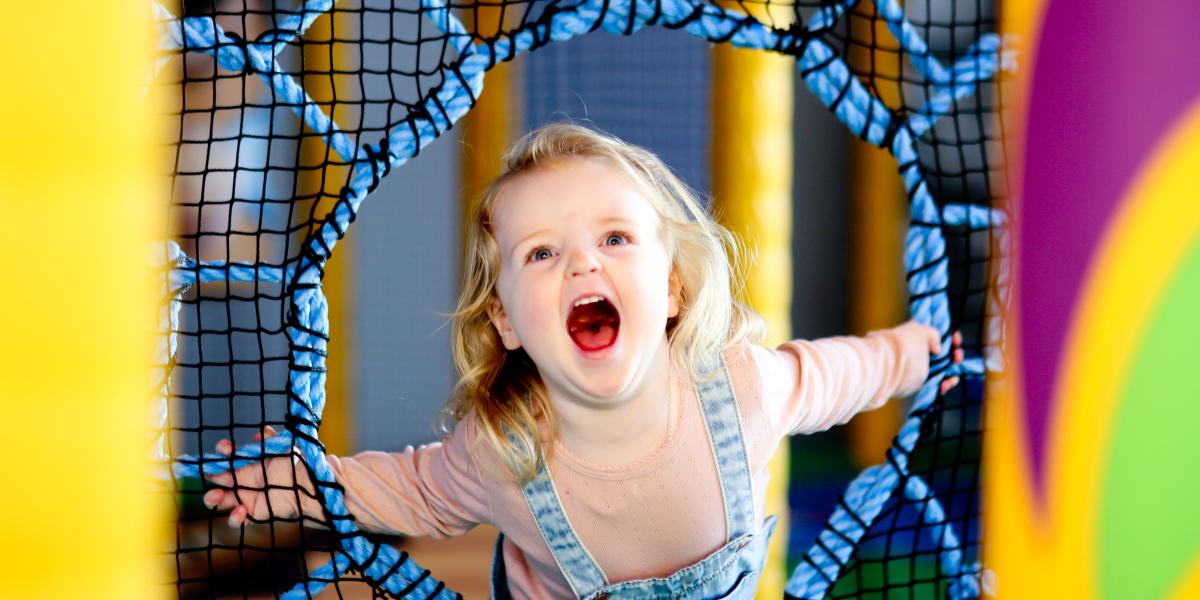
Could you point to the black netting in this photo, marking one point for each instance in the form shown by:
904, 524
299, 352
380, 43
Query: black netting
283, 115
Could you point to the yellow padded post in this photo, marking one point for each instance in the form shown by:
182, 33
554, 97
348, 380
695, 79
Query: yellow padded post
78, 306
878, 217
752, 185
876, 295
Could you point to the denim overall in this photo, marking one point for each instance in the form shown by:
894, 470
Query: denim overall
730, 572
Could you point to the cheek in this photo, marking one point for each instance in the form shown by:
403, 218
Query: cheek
529, 304
655, 282
509, 292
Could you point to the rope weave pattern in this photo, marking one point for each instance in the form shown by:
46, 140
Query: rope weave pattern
827, 76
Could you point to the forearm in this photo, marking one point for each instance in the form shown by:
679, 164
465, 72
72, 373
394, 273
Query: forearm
826, 382
401, 493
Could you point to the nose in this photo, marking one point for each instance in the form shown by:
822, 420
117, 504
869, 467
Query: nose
582, 263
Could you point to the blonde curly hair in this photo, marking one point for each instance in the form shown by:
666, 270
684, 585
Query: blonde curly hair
503, 387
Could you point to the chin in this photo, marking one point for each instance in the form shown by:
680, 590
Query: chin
608, 387
613, 379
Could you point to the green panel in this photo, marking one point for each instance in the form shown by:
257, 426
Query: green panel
904, 578
1149, 527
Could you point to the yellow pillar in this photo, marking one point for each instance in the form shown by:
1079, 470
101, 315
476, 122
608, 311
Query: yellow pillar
878, 218
752, 185
78, 307
323, 182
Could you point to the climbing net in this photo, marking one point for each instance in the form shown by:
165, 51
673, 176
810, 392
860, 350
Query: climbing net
306, 140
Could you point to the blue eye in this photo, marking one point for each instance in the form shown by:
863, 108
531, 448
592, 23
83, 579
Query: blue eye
539, 254
616, 238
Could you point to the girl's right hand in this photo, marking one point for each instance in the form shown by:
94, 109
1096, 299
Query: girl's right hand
261, 491
922, 341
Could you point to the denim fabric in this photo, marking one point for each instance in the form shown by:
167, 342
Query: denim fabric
724, 426
573, 559
730, 572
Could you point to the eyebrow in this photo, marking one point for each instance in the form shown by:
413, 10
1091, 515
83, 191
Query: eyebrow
525, 239
621, 220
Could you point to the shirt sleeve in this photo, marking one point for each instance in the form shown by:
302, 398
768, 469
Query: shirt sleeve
435, 490
810, 386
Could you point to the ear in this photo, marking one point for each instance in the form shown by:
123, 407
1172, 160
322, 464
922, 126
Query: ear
674, 294
500, 321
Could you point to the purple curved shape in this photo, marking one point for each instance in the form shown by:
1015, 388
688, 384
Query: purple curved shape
1111, 77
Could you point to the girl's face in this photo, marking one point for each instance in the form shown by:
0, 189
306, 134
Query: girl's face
585, 280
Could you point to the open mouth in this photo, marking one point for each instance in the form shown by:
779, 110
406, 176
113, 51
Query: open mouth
593, 323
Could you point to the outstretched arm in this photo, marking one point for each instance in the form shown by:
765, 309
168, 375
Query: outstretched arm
432, 490
811, 386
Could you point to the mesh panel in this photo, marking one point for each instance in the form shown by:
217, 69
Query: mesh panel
284, 116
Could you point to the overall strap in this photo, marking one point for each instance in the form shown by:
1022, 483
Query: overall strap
724, 425
576, 563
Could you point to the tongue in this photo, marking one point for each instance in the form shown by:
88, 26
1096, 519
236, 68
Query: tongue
595, 337
593, 326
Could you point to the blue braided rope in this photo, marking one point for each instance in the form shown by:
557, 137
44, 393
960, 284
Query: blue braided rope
210, 464
965, 71
292, 26
824, 72
202, 34
190, 272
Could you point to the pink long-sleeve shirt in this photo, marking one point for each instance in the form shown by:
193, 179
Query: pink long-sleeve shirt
647, 518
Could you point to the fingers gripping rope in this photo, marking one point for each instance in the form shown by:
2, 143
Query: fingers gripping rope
823, 70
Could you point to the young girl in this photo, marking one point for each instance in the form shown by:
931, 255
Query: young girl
614, 418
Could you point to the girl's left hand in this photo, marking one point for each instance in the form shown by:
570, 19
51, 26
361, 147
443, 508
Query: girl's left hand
956, 355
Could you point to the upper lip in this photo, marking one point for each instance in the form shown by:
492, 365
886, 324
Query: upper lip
588, 296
